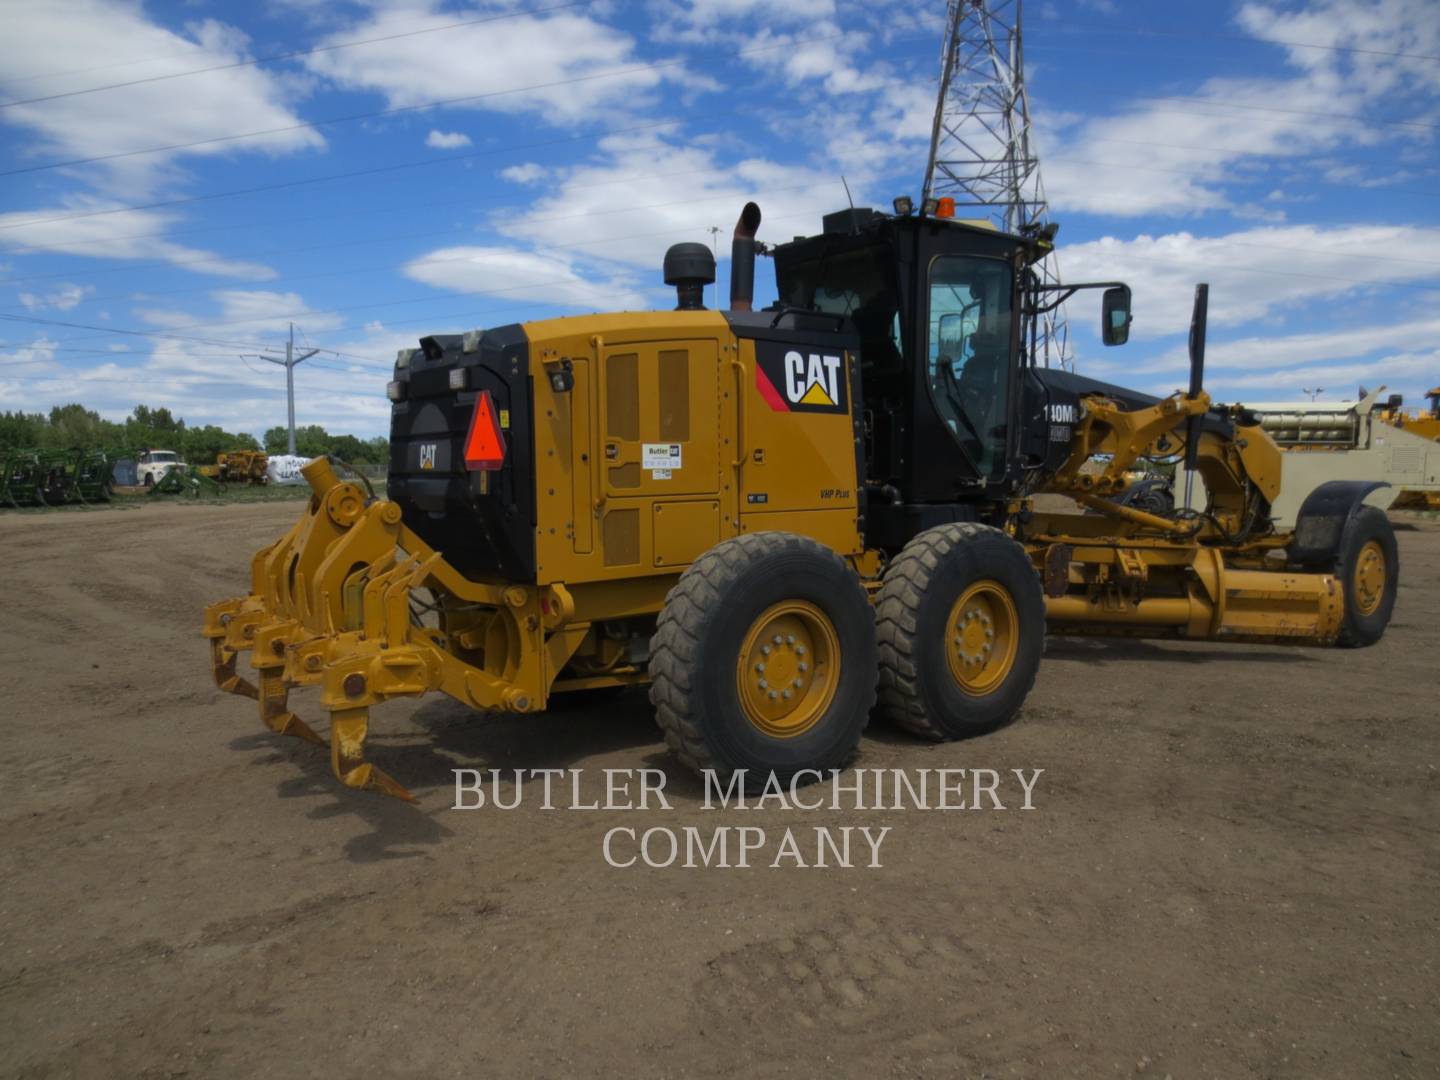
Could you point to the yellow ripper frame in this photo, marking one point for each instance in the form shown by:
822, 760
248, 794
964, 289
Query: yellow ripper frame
330, 606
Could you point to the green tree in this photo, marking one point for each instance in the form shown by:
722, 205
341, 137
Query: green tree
312, 440
20, 431
348, 448
74, 426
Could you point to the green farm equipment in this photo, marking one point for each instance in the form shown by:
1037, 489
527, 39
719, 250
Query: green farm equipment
20, 485
74, 476
191, 482
93, 478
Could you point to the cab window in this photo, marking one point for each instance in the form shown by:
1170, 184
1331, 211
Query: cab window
968, 353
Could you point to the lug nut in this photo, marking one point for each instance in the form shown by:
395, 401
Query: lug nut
804, 666
789, 639
778, 639
799, 650
764, 685
772, 695
786, 695
764, 650
759, 667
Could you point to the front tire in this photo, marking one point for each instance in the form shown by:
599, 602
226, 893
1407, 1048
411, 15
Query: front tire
1368, 568
764, 660
962, 626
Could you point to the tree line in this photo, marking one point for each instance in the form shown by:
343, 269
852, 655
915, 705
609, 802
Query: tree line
76, 427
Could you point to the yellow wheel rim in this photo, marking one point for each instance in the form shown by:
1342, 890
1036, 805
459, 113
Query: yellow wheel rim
1370, 577
981, 637
789, 668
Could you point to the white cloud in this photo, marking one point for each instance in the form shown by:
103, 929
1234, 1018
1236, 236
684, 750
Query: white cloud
1406, 373
62, 299
1179, 155
528, 173
485, 63
1253, 274
208, 384
39, 353
642, 193
731, 22
552, 278
39, 35
123, 234
1279, 355
1386, 43
446, 140
245, 313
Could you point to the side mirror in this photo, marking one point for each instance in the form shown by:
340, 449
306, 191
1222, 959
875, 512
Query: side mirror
1115, 315
950, 336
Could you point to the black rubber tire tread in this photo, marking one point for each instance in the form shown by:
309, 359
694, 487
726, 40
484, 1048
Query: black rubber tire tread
678, 652
907, 585
1366, 524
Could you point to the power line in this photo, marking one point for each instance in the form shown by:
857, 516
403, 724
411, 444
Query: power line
114, 330
1297, 112
428, 162
198, 260
1213, 267
372, 305
495, 151
612, 73
291, 55
599, 242
1110, 31
470, 198
634, 69
81, 380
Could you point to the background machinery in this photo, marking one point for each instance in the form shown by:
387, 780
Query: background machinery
239, 467
868, 493
55, 477
1363, 440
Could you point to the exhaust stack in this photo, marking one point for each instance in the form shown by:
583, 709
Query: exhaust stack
742, 259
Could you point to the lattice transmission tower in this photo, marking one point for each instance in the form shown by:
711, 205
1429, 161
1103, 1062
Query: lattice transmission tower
980, 150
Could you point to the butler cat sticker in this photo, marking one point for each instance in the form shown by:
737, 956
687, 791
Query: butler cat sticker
800, 378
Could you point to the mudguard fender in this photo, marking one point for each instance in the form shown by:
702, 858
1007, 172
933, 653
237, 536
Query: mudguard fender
1320, 525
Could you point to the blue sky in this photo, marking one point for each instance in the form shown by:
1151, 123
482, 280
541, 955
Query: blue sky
497, 162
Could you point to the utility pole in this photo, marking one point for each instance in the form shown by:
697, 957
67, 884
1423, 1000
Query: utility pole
289, 361
980, 152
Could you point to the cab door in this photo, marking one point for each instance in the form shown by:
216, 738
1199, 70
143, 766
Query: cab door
968, 355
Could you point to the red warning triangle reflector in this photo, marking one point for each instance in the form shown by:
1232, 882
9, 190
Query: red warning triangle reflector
485, 445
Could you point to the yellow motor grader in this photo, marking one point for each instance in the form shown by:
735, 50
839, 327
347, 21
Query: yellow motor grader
784, 519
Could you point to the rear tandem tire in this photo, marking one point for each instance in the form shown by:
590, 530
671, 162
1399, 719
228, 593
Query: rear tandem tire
763, 660
962, 627
1368, 568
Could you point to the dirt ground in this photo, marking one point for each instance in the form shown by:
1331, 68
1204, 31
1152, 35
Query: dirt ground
1231, 869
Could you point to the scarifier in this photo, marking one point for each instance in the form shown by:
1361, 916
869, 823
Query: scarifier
775, 518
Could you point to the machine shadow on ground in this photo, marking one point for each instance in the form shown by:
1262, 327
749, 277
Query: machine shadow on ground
1124, 650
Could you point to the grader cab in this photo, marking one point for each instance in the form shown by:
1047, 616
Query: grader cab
781, 520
